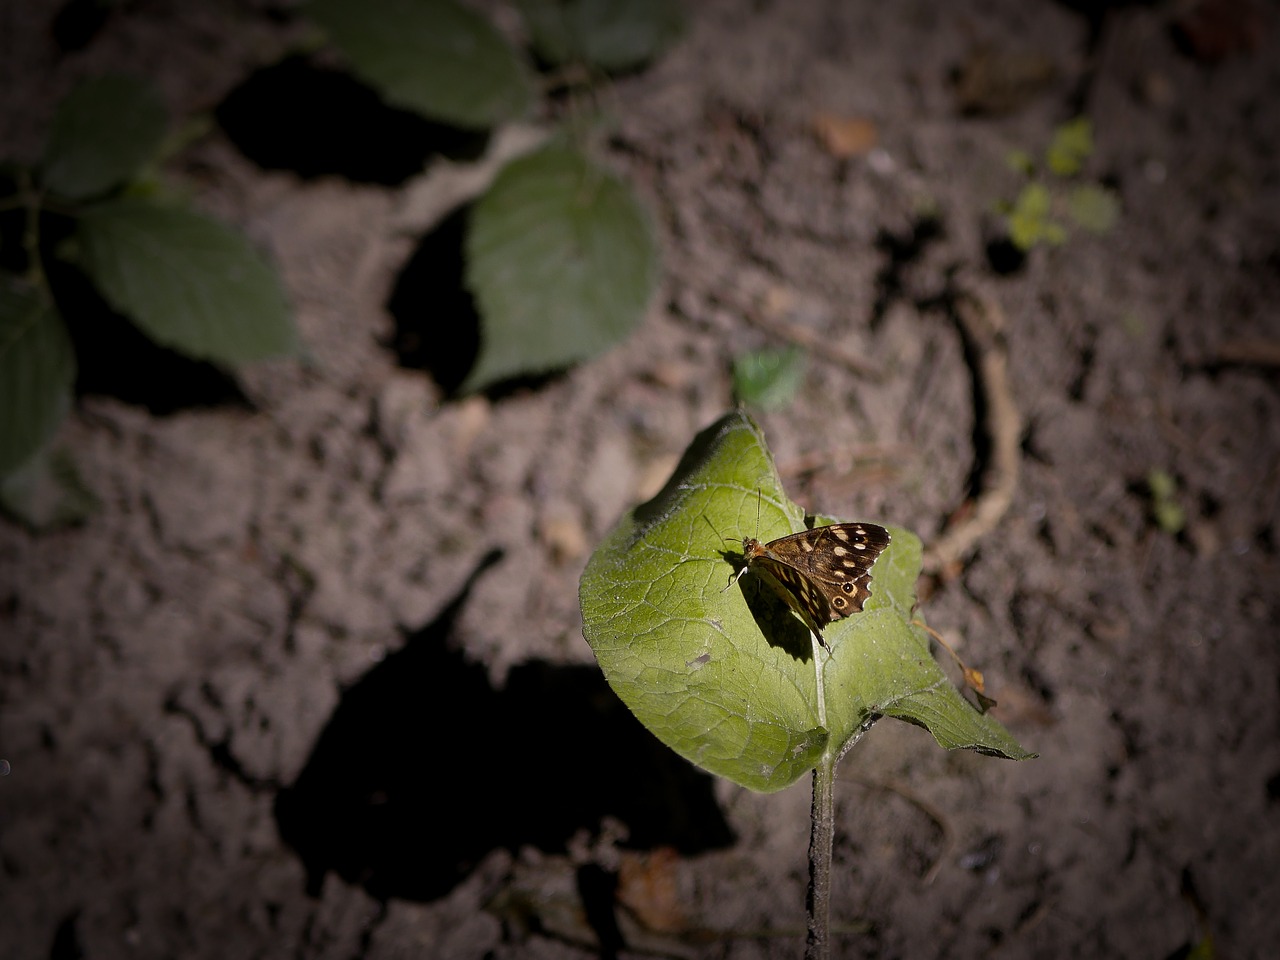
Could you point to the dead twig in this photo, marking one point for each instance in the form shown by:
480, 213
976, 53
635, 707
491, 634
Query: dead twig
982, 324
973, 678
815, 343
1251, 352
883, 457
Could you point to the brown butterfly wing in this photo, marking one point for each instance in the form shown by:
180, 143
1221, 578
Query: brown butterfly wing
794, 587
826, 572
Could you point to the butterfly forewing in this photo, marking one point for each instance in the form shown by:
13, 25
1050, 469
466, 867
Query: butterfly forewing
823, 573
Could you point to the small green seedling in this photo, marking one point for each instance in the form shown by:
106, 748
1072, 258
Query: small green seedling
768, 379
1167, 512
1049, 200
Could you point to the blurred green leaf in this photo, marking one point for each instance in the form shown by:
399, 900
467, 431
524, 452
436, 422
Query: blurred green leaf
434, 57
191, 283
610, 34
102, 135
562, 261
1019, 161
727, 678
1029, 220
768, 379
47, 492
1071, 146
1094, 208
37, 372
1161, 484
1165, 508
1202, 949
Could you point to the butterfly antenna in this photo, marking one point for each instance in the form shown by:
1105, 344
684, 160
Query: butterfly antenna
732, 579
717, 532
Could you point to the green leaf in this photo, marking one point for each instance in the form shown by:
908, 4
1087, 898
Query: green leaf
1019, 161
1094, 208
729, 678
47, 492
37, 371
613, 35
191, 283
1165, 508
562, 262
1029, 221
103, 133
1071, 146
768, 379
434, 57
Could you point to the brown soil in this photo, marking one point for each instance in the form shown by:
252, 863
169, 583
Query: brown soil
312, 683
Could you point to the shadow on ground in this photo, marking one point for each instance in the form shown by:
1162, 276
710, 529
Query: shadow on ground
424, 768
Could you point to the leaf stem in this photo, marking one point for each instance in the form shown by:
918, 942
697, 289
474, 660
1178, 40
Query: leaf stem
821, 833
821, 826
820, 657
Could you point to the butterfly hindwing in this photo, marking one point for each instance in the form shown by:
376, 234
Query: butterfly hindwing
799, 591
824, 574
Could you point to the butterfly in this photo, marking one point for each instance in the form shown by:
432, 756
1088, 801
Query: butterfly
823, 574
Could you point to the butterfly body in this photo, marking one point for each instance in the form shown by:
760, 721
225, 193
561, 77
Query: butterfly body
824, 574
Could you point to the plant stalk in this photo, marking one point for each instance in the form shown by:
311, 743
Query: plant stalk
821, 833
